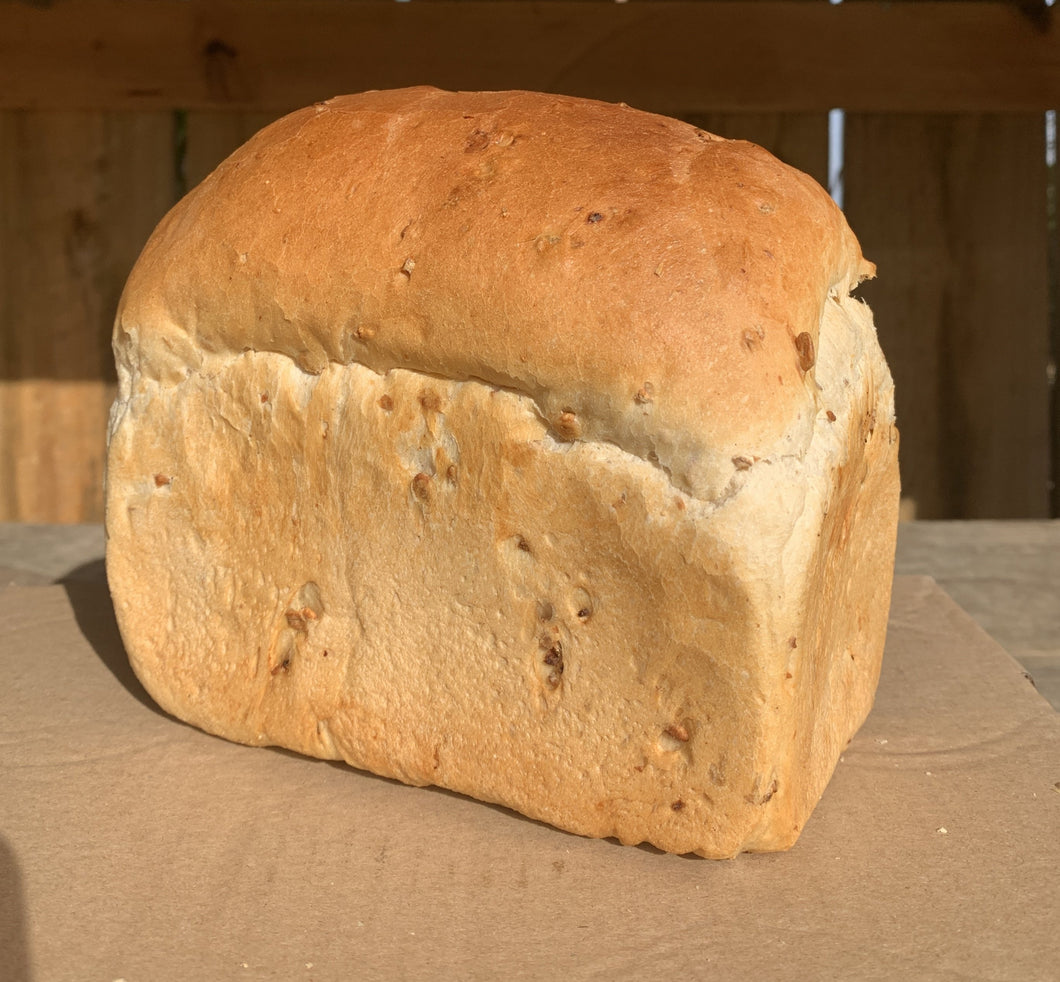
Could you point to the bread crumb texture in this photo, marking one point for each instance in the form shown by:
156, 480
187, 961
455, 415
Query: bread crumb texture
527, 446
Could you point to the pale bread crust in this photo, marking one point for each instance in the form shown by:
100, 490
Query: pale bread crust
659, 617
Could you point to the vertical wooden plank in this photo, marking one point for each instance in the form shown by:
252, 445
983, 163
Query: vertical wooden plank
952, 208
1053, 253
799, 139
79, 193
210, 137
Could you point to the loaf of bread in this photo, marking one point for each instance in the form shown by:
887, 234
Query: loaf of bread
528, 446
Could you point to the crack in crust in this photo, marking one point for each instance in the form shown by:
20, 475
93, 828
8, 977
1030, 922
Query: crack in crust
831, 391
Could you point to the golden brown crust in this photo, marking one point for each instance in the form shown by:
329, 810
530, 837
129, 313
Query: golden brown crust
583, 253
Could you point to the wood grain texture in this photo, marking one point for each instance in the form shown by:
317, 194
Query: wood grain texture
52, 449
1053, 260
79, 194
952, 209
671, 55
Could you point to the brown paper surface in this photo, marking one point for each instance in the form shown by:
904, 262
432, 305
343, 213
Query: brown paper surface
134, 847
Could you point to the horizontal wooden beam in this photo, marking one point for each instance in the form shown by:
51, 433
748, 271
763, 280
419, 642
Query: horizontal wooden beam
666, 55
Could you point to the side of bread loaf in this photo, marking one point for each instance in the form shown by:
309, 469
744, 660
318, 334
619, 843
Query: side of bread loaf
527, 446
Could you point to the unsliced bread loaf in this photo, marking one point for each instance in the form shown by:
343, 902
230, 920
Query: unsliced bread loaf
524, 445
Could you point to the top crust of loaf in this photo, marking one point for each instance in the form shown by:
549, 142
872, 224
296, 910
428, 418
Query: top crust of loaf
647, 284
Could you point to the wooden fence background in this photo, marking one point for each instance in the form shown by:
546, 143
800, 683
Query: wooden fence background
110, 109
